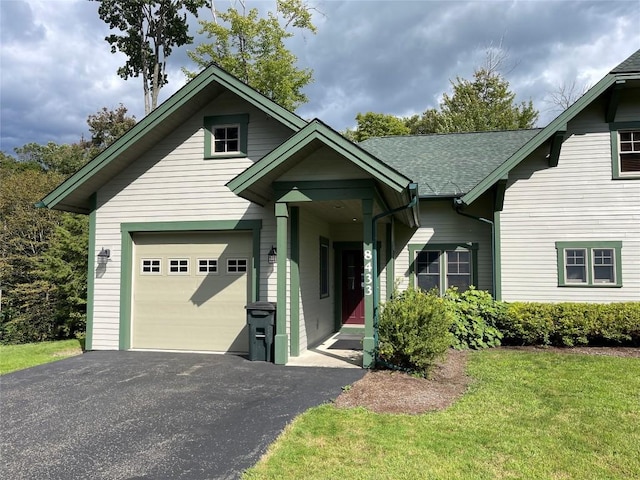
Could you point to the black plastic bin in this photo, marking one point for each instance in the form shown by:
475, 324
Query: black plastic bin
261, 319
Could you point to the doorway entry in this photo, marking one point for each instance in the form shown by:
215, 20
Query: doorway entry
352, 287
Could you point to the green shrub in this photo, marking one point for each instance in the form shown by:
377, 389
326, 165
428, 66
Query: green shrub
476, 315
413, 330
571, 324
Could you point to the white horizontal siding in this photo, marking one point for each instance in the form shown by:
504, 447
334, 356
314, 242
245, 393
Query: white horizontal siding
324, 164
441, 224
575, 201
173, 182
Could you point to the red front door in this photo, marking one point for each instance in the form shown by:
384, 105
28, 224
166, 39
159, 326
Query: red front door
352, 287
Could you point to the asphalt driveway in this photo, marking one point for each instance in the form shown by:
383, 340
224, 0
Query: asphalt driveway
147, 415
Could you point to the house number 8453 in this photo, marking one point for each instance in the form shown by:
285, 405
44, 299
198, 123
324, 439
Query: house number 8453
368, 272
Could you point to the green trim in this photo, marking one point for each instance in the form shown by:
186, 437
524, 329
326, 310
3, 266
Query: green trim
186, 95
281, 338
497, 260
126, 263
614, 128
369, 341
616, 246
390, 268
556, 146
242, 120
442, 247
316, 131
91, 275
614, 101
294, 292
498, 199
544, 135
324, 242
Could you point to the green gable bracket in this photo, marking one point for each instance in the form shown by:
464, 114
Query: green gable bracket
556, 145
498, 199
614, 100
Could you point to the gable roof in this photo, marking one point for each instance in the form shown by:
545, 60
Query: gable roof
448, 165
255, 183
628, 72
75, 193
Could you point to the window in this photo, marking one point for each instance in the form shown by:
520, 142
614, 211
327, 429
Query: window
625, 149
629, 152
226, 136
441, 266
207, 266
178, 266
324, 267
589, 264
150, 266
236, 265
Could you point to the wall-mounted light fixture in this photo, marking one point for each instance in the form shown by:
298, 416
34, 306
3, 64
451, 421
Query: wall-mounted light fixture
272, 256
103, 256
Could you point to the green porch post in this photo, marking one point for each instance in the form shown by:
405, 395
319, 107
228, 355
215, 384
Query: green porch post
281, 339
368, 344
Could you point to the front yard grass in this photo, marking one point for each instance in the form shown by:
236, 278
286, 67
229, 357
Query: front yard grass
17, 357
527, 415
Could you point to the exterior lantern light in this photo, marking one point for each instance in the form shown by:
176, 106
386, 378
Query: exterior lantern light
103, 256
272, 256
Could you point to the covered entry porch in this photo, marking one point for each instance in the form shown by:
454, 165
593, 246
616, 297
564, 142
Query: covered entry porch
335, 207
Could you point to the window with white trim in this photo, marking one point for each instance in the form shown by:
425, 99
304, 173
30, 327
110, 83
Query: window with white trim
150, 266
629, 151
441, 267
207, 266
178, 266
589, 264
226, 139
236, 265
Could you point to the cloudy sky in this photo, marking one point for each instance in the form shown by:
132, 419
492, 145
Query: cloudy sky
384, 56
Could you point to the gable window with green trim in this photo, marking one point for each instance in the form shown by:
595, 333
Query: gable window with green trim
324, 267
442, 266
226, 136
625, 149
589, 264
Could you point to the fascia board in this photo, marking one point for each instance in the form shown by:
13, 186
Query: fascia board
542, 136
166, 109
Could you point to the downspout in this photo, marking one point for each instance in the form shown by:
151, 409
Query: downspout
458, 205
413, 193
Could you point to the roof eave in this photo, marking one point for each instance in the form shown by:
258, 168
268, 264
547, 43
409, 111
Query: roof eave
545, 134
212, 73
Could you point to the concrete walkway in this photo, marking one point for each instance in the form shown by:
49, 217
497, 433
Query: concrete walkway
341, 350
151, 415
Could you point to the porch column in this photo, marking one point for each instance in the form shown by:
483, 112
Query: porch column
368, 344
281, 339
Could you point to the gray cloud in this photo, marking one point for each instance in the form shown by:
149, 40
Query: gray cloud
385, 56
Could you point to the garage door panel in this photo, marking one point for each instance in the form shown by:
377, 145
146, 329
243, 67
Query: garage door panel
191, 310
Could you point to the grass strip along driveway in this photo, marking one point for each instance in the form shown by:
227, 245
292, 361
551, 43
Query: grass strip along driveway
527, 415
17, 357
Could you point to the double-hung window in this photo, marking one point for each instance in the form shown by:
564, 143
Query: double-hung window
589, 264
226, 136
625, 149
442, 266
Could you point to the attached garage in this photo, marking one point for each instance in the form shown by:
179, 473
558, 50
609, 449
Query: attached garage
189, 291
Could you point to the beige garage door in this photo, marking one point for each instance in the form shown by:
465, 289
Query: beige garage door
189, 291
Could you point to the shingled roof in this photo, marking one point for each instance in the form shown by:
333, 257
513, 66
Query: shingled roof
630, 65
448, 165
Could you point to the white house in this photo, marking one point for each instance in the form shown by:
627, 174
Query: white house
186, 207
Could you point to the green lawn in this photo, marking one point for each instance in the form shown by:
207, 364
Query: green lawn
17, 357
527, 416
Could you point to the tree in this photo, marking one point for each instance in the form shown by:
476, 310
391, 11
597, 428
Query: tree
252, 48
106, 126
373, 124
151, 28
566, 94
482, 104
